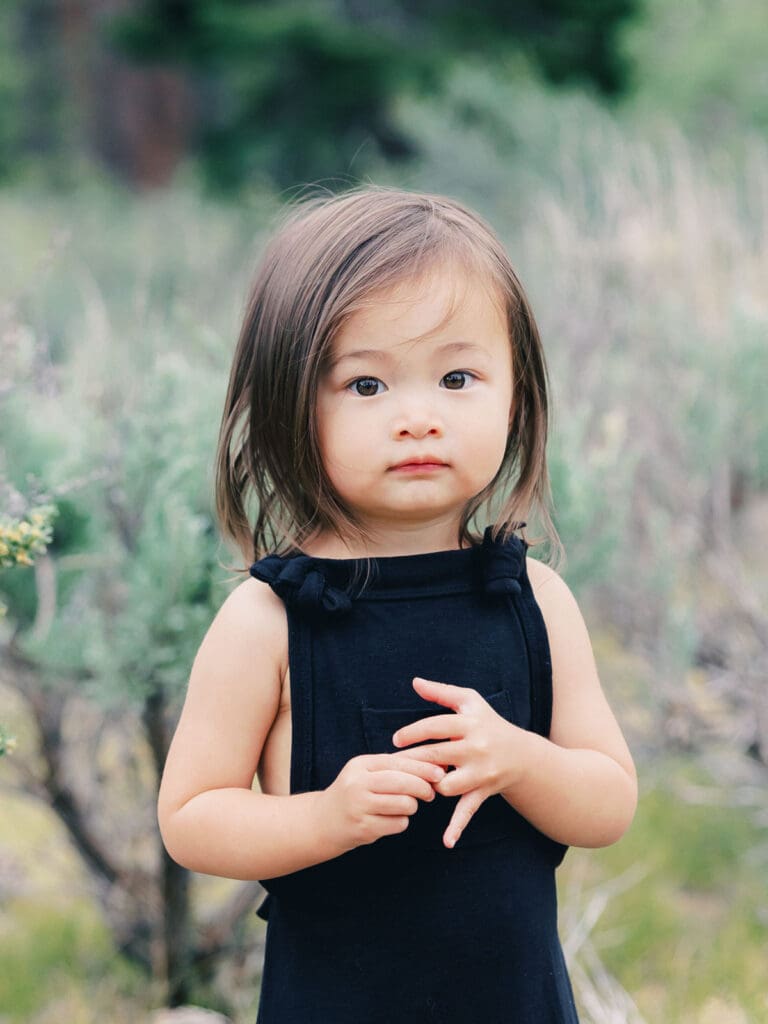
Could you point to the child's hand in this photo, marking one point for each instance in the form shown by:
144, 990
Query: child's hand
483, 748
374, 795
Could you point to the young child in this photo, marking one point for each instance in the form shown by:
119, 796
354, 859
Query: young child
420, 700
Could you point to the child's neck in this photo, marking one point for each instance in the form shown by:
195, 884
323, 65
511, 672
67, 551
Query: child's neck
383, 545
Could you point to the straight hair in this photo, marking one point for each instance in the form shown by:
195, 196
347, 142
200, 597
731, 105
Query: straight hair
328, 257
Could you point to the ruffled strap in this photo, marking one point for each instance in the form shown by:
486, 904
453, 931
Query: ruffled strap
503, 563
300, 584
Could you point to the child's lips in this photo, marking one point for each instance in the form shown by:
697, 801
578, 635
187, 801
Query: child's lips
416, 467
425, 461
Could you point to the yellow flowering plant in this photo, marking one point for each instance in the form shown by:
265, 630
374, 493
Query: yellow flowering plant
22, 538
7, 742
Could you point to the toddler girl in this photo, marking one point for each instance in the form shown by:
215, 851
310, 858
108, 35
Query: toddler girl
419, 700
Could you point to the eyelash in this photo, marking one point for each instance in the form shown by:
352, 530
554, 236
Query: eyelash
466, 373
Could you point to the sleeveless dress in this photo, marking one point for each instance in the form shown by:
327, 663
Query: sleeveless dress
404, 930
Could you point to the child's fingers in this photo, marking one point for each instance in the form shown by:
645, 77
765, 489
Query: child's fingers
462, 815
393, 803
406, 763
395, 782
458, 782
451, 753
434, 727
460, 698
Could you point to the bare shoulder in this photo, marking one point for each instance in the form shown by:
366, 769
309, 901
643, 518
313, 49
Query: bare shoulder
539, 572
250, 626
564, 622
247, 638
256, 605
553, 596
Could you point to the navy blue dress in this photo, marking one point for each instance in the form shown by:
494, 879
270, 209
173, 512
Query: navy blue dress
403, 929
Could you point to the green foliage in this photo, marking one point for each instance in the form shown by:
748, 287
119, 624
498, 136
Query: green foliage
52, 954
129, 438
702, 62
693, 925
166, 574
723, 391
12, 87
306, 90
572, 42
135, 604
303, 86
291, 92
591, 482
36, 107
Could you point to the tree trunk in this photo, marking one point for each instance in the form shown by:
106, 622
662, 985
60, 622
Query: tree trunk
137, 118
175, 879
149, 914
176, 930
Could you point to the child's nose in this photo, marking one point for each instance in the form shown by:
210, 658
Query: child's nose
419, 420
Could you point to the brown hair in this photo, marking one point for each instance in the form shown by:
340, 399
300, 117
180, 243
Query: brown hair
330, 254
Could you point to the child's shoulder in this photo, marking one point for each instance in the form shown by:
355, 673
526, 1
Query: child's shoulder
252, 593
540, 573
249, 629
555, 599
253, 605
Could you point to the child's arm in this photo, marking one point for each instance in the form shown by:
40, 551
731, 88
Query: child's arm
210, 819
579, 785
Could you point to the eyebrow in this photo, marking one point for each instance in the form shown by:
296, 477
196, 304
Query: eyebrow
381, 356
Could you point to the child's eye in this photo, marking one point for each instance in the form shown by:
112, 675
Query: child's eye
364, 382
455, 380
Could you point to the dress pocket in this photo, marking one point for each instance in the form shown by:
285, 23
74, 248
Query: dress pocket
494, 819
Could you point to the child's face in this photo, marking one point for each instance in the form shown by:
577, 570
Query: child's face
447, 396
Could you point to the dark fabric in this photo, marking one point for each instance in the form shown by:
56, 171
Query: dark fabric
403, 929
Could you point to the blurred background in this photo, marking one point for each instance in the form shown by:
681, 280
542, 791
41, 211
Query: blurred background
619, 149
